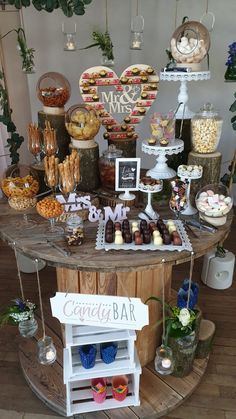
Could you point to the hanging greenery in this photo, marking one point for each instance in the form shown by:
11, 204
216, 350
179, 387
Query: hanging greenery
69, 7
15, 140
103, 42
27, 54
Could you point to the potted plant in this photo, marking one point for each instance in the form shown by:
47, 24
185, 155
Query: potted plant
21, 312
103, 42
182, 329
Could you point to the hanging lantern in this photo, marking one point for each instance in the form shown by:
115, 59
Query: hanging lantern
47, 353
69, 39
137, 26
164, 363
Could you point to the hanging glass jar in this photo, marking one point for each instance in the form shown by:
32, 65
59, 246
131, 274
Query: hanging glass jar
69, 38
183, 349
46, 351
164, 363
28, 328
137, 26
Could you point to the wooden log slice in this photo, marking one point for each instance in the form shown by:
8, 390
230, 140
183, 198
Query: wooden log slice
206, 336
211, 164
89, 169
58, 123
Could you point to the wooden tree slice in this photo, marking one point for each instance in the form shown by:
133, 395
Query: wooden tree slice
211, 164
58, 123
206, 336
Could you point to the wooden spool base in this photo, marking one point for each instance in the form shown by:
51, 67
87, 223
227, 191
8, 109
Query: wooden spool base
158, 394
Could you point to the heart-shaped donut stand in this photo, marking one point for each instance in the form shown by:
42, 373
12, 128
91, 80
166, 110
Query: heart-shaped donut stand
141, 75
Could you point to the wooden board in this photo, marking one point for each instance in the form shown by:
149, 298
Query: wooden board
86, 258
159, 395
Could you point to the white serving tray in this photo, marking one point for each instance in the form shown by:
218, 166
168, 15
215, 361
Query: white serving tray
101, 243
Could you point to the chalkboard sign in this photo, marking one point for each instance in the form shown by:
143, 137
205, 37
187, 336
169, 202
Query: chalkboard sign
127, 174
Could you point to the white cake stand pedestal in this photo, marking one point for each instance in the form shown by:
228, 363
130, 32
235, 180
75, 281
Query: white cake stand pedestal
149, 209
189, 210
183, 111
162, 170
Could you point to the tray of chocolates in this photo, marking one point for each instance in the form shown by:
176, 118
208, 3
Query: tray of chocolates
142, 235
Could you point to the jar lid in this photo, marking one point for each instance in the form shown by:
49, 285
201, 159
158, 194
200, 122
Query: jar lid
74, 220
208, 110
112, 152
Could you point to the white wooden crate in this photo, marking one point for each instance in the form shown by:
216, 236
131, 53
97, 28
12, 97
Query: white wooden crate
79, 393
84, 335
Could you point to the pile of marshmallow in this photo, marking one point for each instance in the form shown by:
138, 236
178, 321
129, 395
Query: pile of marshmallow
188, 50
213, 204
190, 171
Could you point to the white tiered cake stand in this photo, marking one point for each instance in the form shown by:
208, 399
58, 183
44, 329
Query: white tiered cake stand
161, 170
183, 111
149, 209
189, 210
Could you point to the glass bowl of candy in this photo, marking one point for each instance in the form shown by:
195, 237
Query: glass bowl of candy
21, 187
214, 202
82, 122
53, 90
163, 127
50, 208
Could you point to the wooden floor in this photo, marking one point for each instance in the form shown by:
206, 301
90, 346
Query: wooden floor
215, 398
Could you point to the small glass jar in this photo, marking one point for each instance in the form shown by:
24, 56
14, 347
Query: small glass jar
46, 351
206, 127
74, 230
107, 166
164, 363
28, 328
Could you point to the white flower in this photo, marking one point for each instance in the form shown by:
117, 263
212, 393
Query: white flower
184, 317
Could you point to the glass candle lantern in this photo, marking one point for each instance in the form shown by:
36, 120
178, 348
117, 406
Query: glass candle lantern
164, 363
69, 39
46, 351
137, 26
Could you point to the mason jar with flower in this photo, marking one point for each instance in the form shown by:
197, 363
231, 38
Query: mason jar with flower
21, 312
230, 74
182, 330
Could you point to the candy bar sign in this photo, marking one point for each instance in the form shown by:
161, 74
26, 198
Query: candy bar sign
100, 310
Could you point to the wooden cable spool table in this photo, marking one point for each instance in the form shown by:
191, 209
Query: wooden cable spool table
122, 273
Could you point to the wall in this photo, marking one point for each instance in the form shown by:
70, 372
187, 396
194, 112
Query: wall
16, 79
44, 34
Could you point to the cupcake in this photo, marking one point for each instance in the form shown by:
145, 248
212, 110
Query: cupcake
152, 141
124, 80
142, 111
103, 73
164, 142
150, 70
135, 71
127, 119
144, 95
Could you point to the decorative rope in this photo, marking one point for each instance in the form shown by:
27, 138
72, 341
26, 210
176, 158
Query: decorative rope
190, 277
163, 303
40, 297
207, 4
137, 7
176, 12
106, 13
18, 272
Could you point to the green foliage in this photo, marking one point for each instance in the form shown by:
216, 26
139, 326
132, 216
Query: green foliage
14, 140
227, 176
69, 7
103, 42
174, 327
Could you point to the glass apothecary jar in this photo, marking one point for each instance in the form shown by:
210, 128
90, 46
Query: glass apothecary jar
74, 230
206, 127
53, 90
107, 166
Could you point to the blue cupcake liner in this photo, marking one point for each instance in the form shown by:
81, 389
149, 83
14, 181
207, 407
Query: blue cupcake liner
108, 351
88, 355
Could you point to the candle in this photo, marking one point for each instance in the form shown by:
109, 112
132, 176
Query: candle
50, 355
70, 46
136, 44
166, 363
